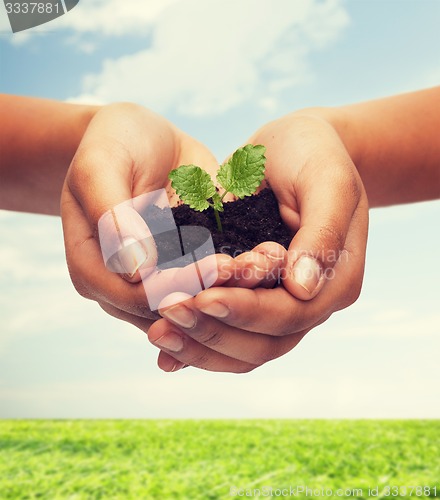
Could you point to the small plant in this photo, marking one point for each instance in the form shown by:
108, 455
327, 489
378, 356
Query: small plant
240, 175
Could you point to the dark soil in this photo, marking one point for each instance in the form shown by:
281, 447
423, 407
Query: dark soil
246, 223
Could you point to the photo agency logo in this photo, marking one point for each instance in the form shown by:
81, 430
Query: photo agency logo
141, 236
25, 15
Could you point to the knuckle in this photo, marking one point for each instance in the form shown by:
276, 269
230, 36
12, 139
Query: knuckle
89, 160
199, 361
211, 338
347, 181
352, 188
79, 172
331, 236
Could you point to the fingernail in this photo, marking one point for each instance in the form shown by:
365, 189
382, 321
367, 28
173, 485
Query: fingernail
178, 366
180, 315
307, 273
132, 256
216, 309
170, 341
274, 258
171, 365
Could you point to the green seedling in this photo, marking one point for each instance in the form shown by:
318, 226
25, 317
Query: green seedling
240, 175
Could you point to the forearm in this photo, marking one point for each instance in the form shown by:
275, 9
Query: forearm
395, 144
38, 139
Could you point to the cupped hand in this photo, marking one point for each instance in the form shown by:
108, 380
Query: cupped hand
126, 151
320, 196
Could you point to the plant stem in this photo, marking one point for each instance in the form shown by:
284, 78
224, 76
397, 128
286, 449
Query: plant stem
217, 218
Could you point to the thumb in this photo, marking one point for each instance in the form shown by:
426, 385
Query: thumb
327, 205
127, 244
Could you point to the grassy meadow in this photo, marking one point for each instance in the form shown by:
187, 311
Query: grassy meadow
210, 459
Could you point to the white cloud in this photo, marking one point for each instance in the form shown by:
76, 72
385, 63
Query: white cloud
89, 99
208, 57
29, 240
113, 17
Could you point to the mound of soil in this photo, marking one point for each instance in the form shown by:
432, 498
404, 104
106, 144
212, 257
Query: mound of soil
246, 223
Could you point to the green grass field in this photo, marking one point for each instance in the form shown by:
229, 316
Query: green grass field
161, 459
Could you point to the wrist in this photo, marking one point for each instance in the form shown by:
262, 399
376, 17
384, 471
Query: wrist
339, 120
38, 140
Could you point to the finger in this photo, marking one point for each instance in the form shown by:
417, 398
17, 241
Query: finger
167, 363
184, 349
349, 270
273, 312
253, 348
276, 311
272, 250
259, 268
326, 209
277, 254
177, 284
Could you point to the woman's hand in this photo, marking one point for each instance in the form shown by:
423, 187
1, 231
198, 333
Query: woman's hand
125, 152
320, 196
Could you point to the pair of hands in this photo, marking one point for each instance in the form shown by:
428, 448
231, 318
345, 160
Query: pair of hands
128, 150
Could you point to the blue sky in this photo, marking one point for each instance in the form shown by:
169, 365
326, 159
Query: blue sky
220, 69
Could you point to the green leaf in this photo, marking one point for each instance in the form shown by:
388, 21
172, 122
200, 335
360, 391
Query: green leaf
193, 185
244, 171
